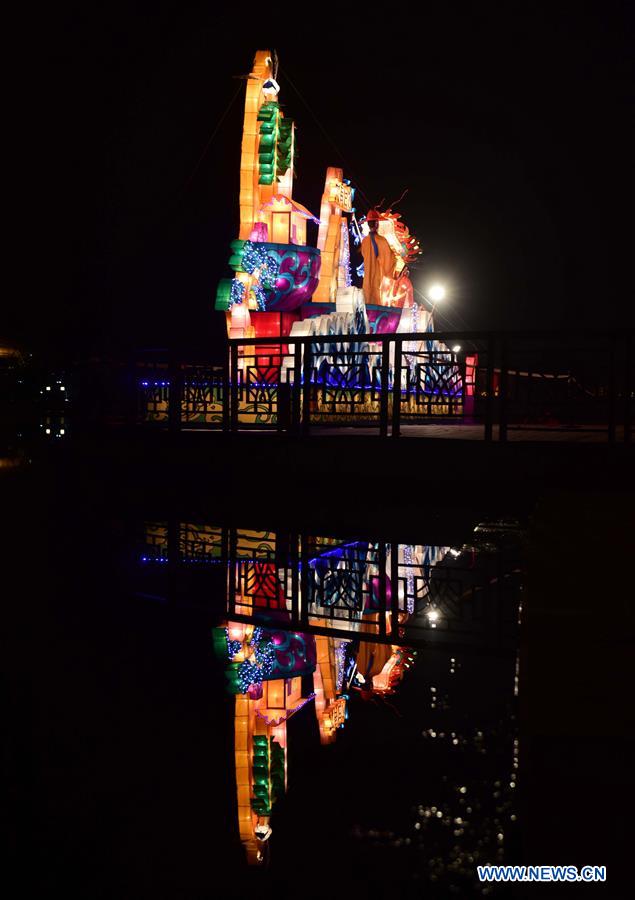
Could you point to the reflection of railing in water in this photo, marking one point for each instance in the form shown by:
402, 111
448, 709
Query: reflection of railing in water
502, 381
349, 613
404, 594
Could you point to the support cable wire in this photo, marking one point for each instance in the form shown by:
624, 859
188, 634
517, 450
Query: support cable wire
442, 315
326, 135
397, 202
190, 177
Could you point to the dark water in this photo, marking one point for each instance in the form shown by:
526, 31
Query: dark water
512, 747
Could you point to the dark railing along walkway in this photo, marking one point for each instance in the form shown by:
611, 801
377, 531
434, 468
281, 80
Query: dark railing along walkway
493, 386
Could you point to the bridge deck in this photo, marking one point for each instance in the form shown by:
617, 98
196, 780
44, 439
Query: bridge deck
459, 431
455, 431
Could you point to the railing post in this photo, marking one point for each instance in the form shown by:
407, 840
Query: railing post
175, 394
233, 387
224, 544
225, 381
383, 606
304, 579
174, 558
307, 363
283, 394
612, 397
489, 384
502, 392
394, 590
383, 387
294, 562
132, 397
628, 387
231, 571
396, 388
296, 390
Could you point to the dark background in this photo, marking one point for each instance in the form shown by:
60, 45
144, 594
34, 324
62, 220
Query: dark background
510, 126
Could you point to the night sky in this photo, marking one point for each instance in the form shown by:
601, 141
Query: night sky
510, 127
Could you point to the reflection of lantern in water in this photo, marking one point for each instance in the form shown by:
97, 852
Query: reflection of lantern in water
258, 657
328, 707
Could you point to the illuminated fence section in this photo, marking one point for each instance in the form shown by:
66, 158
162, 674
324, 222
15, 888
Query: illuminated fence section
155, 549
185, 396
433, 384
260, 378
200, 543
498, 386
152, 392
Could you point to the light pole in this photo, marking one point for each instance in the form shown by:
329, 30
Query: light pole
436, 293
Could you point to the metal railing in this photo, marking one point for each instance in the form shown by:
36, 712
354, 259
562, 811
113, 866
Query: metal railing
496, 386
368, 589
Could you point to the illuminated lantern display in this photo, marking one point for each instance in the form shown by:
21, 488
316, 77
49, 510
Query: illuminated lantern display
392, 671
287, 287
379, 261
266, 660
330, 702
275, 268
333, 236
286, 282
264, 669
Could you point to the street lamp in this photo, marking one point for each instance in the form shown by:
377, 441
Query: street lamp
436, 292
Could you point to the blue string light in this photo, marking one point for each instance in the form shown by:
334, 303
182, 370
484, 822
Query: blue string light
252, 672
233, 647
256, 636
248, 673
340, 662
236, 292
255, 257
260, 297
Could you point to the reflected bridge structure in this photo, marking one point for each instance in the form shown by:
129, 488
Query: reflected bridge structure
367, 589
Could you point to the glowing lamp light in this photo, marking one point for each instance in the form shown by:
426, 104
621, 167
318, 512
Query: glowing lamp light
437, 292
456, 348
